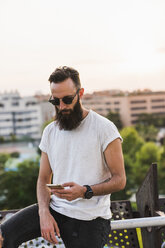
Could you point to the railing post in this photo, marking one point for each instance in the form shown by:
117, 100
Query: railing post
148, 204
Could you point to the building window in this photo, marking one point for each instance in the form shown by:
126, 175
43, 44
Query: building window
25, 127
159, 113
135, 115
5, 120
26, 119
16, 98
6, 127
157, 100
138, 108
134, 122
30, 103
25, 112
2, 113
138, 101
15, 103
1, 105
116, 102
107, 103
160, 106
19, 120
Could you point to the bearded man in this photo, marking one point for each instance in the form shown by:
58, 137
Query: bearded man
81, 151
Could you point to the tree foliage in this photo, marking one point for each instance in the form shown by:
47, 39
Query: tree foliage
148, 154
161, 171
115, 118
151, 119
138, 156
148, 132
3, 158
18, 188
132, 142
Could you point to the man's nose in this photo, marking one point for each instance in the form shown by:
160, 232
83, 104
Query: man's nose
62, 105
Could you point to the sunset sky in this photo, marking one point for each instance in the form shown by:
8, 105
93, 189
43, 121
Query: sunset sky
114, 44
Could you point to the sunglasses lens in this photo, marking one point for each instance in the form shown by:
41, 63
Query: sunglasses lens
67, 100
55, 101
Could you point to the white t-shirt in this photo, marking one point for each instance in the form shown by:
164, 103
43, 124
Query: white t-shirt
77, 156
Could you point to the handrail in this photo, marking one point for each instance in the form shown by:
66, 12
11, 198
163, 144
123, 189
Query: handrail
138, 222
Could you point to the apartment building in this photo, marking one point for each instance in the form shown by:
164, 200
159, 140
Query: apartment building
47, 109
128, 105
20, 116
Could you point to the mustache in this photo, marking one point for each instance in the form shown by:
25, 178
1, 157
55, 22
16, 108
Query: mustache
65, 111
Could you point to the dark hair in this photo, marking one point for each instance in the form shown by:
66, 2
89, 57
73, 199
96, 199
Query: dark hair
62, 73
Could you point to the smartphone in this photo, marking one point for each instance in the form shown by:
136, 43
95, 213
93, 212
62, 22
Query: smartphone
55, 186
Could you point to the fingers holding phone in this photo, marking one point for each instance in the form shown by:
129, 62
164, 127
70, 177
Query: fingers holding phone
55, 186
69, 191
60, 191
56, 189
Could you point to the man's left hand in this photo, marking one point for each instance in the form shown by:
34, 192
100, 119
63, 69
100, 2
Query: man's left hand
75, 191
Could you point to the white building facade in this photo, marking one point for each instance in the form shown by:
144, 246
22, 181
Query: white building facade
20, 117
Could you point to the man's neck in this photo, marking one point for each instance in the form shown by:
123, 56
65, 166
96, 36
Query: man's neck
85, 112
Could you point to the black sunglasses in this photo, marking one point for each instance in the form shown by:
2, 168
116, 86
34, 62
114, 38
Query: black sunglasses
66, 99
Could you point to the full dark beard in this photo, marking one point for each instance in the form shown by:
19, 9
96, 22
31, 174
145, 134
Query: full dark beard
69, 119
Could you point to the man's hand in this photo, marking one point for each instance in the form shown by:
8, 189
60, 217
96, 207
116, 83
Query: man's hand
75, 191
1, 240
49, 227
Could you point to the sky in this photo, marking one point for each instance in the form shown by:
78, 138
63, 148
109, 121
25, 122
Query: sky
114, 44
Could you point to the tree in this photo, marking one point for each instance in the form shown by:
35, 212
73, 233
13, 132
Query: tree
2, 139
161, 171
14, 154
46, 123
148, 132
3, 158
151, 119
13, 137
43, 126
132, 142
115, 118
18, 188
148, 154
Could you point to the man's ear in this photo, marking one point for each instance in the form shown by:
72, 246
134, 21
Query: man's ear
81, 92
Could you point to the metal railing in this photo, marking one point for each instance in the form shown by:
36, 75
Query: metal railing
138, 222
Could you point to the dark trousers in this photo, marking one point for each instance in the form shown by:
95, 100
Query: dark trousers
25, 225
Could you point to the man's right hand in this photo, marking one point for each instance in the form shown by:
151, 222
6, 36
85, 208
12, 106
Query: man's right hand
1, 240
49, 227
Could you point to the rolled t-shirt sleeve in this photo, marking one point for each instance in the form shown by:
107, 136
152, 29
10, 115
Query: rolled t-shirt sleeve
44, 141
108, 134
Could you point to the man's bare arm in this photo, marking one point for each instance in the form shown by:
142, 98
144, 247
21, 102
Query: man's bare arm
47, 223
45, 174
114, 159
